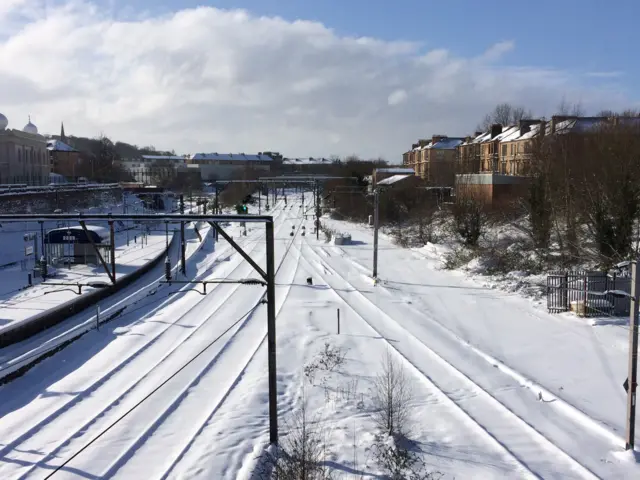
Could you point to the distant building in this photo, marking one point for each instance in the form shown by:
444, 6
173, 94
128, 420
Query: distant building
150, 169
23, 155
380, 174
227, 166
63, 157
434, 160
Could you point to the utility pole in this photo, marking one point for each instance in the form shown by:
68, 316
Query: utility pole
376, 202
183, 252
112, 239
217, 212
271, 336
124, 210
317, 200
633, 357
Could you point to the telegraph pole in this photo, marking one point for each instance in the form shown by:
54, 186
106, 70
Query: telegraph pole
376, 202
217, 209
317, 200
271, 336
183, 248
633, 358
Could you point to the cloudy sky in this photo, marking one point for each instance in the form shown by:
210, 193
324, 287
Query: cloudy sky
307, 78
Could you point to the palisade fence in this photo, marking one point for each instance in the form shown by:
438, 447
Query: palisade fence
583, 293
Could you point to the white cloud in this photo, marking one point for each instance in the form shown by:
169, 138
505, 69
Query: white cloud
212, 80
397, 97
498, 50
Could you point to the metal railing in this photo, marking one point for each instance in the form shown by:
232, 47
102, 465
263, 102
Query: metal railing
587, 293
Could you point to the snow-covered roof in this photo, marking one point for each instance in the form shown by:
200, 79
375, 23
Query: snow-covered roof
307, 161
393, 179
400, 170
163, 157
240, 157
447, 143
515, 132
54, 145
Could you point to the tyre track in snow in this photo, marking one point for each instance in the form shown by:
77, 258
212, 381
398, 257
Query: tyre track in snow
528, 447
198, 390
37, 427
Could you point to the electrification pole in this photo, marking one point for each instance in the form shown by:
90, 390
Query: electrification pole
376, 202
271, 336
317, 201
633, 357
183, 249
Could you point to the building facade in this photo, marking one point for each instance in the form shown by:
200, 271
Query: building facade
229, 166
64, 158
24, 158
152, 169
434, 160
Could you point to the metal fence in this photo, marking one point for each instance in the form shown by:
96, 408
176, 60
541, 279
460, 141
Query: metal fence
583, 293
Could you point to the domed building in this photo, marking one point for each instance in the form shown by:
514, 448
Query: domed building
24, 158
30, 128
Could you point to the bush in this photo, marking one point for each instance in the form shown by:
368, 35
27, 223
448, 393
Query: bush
469, 219
458, 257
396, 457
327, 360
301, 453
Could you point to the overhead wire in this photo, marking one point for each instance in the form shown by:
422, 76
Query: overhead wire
119, 419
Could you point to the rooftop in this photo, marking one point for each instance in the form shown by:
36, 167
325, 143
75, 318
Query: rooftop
164, 157
58, 146
393, 179
231, 157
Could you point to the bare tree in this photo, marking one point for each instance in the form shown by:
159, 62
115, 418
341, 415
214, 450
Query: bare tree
629, 112
505, 114
566, 108
302, 451
392, 397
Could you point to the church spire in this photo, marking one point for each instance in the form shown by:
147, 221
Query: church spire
63, 138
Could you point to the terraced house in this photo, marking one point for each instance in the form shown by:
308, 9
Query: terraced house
434, 160
495, 163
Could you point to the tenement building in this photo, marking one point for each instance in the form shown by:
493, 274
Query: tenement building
24, 158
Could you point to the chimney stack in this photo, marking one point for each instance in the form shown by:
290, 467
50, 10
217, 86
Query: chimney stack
477, 134
496, 129
543, 128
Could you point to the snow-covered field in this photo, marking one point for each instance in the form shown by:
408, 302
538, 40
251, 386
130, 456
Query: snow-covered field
177, 386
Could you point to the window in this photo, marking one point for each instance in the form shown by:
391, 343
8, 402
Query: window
504, 150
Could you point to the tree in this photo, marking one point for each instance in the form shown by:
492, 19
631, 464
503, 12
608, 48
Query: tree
163, 171
566, 108
629, 112
504, 114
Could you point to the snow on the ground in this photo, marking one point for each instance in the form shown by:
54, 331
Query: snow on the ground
500, 389
23, 304
132, 298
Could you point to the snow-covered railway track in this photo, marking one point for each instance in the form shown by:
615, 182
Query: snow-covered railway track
536, 455
32, 350
196, 394
90, 405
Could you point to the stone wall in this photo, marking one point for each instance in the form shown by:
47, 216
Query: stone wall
67, 201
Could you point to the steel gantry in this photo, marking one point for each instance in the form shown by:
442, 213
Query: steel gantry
267, 274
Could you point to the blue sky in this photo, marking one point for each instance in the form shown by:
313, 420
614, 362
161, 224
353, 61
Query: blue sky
582, 36
216, 80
